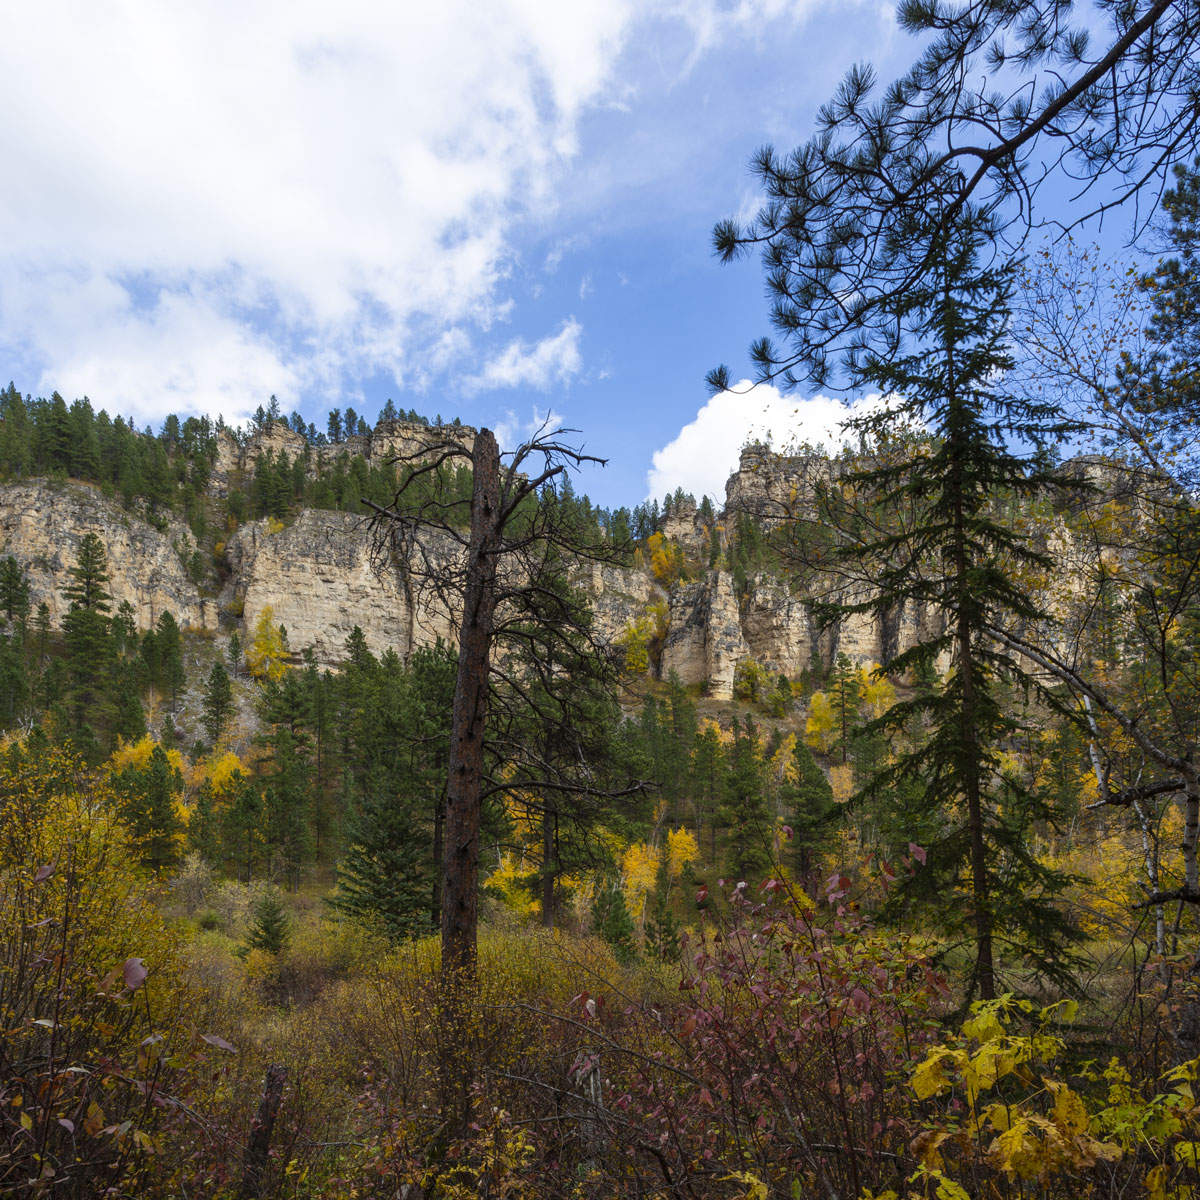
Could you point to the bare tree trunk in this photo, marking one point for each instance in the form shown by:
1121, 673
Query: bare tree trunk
460, 876
259, 1145
439, 822
549, 868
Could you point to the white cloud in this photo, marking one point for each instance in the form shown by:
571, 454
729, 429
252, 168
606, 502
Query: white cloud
554, 359
339, 177
207, 203
705, 452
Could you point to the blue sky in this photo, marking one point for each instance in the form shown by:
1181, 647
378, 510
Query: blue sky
485, 210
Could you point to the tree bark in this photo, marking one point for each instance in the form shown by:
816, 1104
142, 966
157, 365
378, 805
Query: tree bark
259, 1145
549, 868
460, 876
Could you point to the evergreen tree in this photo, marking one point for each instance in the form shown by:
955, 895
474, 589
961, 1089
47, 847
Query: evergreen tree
708, 763
218, 703
129, 720
14, 680
662, 929
87, 635
845, 694
149, 797
168, 641
396, 718
960, 558
286, 803
14, 590
743, 812
272, 927
242, 826
611, 921
809, 806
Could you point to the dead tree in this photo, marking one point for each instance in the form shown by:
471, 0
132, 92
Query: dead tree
495, 563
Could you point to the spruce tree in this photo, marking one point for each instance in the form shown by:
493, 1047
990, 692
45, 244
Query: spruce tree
743, 811
809, 806
149, 800
845, 694
396, 719
170, 674
14, 590
960, 558
612, 922
271, 930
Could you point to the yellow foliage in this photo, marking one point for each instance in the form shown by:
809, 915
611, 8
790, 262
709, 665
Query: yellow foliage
818, 729
639, 865
267, 652
1046, 1128
682, 848
510, 882
666, 559
841, 780
274, 526
783, 761
708, 725
755, 1188
223, 773
137, 755
878, 693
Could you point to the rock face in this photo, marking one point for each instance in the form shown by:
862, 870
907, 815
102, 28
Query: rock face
705, 641
321, 576
42, 524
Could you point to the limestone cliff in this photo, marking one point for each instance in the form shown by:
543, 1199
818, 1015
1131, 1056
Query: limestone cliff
321, 576
42, 524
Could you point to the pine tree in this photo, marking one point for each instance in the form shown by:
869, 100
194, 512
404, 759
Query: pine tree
87, 635
14, 590
845, 694
396, 720
149, 797
218, 703
810, 808
743, 811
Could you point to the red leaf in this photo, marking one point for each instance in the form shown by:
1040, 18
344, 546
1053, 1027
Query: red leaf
916, 852
134, 973
689, 1027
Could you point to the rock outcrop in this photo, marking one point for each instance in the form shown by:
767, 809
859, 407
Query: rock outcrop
321, 575
42, 524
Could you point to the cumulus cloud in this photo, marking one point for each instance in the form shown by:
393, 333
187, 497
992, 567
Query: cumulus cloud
204, 204
705, 452
554, 359
340, 177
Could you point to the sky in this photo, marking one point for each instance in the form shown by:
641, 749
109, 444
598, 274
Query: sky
499, 211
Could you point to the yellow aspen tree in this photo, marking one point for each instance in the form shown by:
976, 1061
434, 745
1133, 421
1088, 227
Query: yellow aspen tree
818, 729
267, 653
